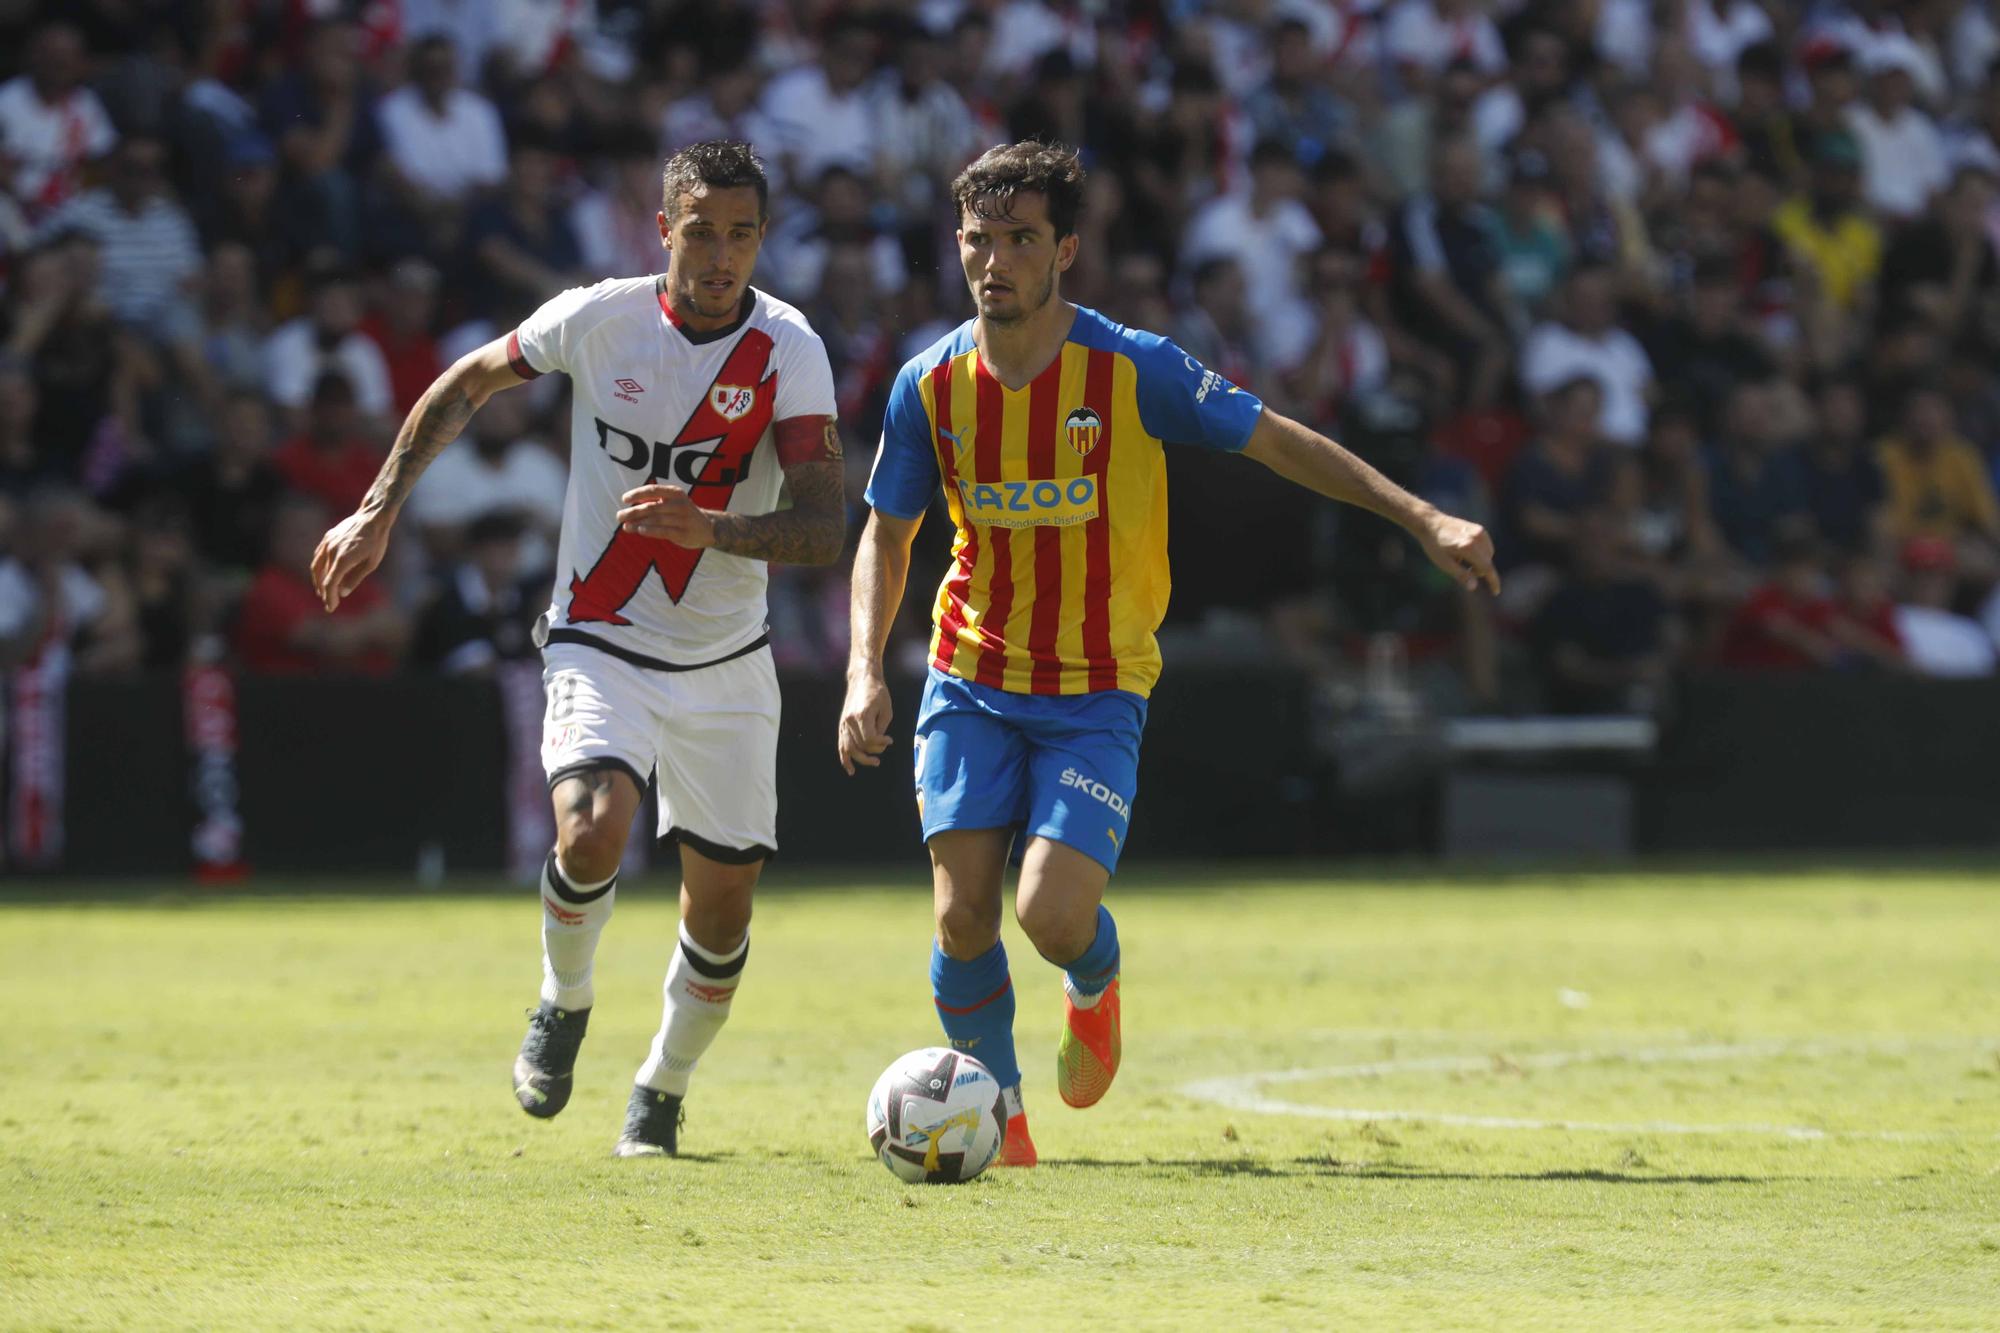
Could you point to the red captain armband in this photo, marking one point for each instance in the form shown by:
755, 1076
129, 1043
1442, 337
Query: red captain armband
515, 361
807, 440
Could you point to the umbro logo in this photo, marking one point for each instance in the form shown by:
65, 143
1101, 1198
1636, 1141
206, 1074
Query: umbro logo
628, 387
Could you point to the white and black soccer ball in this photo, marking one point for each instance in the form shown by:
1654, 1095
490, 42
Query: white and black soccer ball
936, 1117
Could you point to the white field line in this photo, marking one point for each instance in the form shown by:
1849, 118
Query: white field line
1242, 1092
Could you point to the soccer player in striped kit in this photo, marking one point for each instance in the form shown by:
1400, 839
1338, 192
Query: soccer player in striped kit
1044, 423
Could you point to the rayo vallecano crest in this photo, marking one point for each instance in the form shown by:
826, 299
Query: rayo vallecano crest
1082, 427
732, 401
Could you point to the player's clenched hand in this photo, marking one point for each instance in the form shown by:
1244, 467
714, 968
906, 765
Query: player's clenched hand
864, 723
348, 553
1462, 550
668, 512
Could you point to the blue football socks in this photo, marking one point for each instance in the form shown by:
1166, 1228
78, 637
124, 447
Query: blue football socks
1090, 972
975, 1002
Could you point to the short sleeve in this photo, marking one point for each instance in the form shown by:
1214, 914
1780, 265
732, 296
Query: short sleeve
542, 343
1182, 401
805, 377
905, 476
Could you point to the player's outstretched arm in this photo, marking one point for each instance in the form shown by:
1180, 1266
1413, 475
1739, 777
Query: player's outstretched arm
881, 569
350, 552
811, 532
1458, 547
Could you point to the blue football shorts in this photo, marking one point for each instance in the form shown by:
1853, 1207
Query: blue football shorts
1058, 766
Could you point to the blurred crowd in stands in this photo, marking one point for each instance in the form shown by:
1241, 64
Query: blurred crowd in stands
1694, 302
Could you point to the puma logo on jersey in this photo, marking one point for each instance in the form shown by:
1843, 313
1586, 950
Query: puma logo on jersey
957, 438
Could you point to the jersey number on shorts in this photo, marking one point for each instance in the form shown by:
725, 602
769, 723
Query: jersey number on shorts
621, 569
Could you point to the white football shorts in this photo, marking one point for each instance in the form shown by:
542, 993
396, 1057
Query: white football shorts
709, 734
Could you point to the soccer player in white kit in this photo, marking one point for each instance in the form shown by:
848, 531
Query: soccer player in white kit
694, 397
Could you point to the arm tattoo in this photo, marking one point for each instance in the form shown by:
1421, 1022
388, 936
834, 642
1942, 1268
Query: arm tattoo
811, 532
433, 423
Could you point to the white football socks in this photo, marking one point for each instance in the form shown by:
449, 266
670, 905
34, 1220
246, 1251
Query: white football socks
700, 985
1077, 997
573, 916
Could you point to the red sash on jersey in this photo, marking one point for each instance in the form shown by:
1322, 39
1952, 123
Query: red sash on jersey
619, 572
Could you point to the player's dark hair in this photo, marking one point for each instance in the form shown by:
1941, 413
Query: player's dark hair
987, 189
718, 164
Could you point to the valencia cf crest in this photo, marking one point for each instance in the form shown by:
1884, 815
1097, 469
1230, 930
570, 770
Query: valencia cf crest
732, 402
1082, 427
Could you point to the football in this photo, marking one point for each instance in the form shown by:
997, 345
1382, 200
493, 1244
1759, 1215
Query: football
936, 1117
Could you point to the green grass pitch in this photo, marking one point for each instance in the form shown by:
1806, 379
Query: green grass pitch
1670, 1100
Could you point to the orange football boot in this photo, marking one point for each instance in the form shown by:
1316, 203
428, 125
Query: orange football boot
1087, 1059
1017, 1149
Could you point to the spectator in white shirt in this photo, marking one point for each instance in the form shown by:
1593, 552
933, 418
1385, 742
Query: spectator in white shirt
614, 221
50, 125
327, 338
1267, 230
149, 256
1937, 640
49, 603
1349, 357
1902, 153
495, 468
924, 132
473, 26
722, 106
1868, 30
1588, 341
819, 114
795, 251
444, 141
1215, 327
1026, 30
1424, 36
1974, 139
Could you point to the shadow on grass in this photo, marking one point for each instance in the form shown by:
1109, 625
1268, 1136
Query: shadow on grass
690, 1158
1300, 1167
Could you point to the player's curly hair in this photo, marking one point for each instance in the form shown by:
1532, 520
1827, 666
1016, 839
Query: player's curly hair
987, 188
719, 164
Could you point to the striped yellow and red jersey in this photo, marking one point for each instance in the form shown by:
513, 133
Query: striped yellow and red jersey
1058, 580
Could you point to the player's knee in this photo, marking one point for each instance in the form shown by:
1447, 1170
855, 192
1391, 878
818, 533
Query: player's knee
718, 916
1059, 930
717, 927
967, 928
588, 849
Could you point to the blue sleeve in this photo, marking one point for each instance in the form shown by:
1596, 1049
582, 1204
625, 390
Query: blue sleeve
905, 476
1182, 401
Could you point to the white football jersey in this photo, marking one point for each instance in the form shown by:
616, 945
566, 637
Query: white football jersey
655, 401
